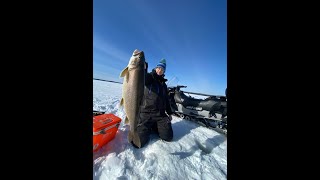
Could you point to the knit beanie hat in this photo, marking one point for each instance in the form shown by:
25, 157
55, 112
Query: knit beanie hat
162, 64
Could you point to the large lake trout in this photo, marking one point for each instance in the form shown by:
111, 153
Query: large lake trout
132, 92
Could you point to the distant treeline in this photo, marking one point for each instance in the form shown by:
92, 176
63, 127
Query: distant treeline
106, 80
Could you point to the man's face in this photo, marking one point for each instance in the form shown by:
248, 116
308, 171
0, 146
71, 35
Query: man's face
159, 71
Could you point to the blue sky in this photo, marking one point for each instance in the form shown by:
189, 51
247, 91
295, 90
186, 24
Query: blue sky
190, 34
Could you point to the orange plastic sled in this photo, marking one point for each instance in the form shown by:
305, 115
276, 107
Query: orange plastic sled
105, 127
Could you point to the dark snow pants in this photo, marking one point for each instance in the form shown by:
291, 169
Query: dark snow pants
148, 124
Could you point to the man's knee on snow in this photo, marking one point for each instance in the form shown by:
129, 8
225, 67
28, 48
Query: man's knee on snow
165, 130
142, 136
166, 137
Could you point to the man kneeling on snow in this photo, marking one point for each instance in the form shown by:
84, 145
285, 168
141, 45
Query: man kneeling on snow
155, 110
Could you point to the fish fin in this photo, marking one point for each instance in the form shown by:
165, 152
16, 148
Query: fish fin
126, 120
121, 102
124, 72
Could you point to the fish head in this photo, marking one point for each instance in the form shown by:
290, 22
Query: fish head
137, 60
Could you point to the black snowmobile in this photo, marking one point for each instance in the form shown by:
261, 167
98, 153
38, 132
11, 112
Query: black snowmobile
210, 112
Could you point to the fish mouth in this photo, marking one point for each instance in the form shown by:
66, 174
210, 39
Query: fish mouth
137, 52
138, 62
136, 65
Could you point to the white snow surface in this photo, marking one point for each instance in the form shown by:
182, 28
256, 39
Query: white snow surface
195, 152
